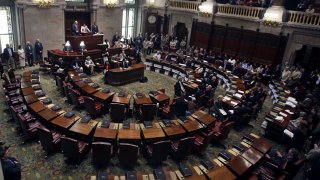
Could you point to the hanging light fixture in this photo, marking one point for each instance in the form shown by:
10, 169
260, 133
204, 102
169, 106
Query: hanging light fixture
44, 3
206, 8
111, 3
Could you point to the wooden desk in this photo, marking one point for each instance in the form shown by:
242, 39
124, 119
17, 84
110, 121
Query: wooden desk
47, 114
161, 98
81, 84
105, 133
103, 97
252, 155
191, 126
129, 134
120, 76
122, 100
221, 173
204, 117
88, 90
173, 130
26, 84
142, 100
64, 122
37, 106
84, 128
31, 98
239, 165
27, 91
153, 133
262, 145
91, 41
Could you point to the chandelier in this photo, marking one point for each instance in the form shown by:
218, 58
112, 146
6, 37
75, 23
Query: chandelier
44, 3
206, 8
111, 3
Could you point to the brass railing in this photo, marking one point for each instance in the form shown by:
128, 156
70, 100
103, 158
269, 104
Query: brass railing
303, 18
185, 5
242, 11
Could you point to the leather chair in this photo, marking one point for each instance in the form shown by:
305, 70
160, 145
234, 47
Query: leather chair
117, 112
60, 85
202, 141
66, 89
101, 153
50, 140
180, 149
167, 111
9, 85
73, 149
147, 112
157, 152
92, 107
29, 127
76, 98
221, 133
128, 154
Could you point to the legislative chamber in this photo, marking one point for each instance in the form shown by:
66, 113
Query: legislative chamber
160, 90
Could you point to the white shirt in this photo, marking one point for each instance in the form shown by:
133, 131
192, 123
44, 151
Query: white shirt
85, 29
157, 56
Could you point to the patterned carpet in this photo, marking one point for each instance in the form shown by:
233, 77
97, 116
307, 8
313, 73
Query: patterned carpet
31, 155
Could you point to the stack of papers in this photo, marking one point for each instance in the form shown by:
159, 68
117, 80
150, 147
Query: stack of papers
288, 133
279, 118
283, 114
234, 103
288, 111
222, 112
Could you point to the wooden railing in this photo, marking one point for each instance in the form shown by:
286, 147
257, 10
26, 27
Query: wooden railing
303, 18
242, 11
184, 5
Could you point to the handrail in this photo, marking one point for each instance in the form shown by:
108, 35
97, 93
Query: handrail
243, 11
187, 5
303, 18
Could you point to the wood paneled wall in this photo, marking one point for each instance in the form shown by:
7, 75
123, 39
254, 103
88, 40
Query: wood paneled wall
253, 45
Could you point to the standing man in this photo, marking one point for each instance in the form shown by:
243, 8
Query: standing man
75, 28
95, 28
29, 53
84, 29
8, 56
38, 50
115, 38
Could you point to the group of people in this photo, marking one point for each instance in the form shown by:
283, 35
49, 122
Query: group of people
83, 29
25, 55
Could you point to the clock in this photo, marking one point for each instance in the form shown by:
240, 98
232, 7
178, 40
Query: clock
152, 19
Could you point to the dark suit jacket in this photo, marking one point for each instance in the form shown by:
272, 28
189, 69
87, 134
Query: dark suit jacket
177, 89
75, 28
95, 29
6, 53
28, 50
38, 48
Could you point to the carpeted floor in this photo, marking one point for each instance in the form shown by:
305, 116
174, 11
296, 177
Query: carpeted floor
31, 155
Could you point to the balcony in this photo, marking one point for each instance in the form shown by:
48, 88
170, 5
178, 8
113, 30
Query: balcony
296, 18
184, 5
247, 12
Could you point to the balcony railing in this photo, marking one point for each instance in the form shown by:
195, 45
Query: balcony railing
242, 11
184, 5
303, 18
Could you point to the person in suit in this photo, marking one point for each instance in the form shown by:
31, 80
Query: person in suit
29, 53
181, 108
77, 64
95, 28
8, 56
75, 28
178, 88
115, 38
89, 64
38, 48
10, 166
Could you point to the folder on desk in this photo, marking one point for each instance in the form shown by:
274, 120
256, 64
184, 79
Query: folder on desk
85, 119
131, 176
167, 122
222, 112
154, 93
126, 125
35, 81
83, 75
55, 108
105, 124
34, 76
207, 163
185, 170
225, 155
106, 90
87, 80
102, 175
159, 174
249, 138
148, 124
239, 147
47, 101
68, 114
40, 93
95, 85
121, 94
139, 95
36, 87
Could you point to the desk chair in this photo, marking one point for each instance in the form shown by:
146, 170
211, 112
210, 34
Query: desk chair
147, 112
157, 152
49, 140
29, 127
128, 154
221, 132
180, 149
74, 149
92, 107
202, 141
117, 112
101, 153
76, 98
167, 111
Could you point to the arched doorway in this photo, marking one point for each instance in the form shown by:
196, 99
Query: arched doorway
180, 31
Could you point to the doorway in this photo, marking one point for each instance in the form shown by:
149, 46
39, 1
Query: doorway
81, 17
180, 31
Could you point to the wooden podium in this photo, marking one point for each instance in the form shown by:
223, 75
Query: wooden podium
91, 41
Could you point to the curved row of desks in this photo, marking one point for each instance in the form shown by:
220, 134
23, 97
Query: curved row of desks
240, 162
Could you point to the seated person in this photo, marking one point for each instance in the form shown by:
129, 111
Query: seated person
218, 109
84, 29
10, 166
125, 63
199, 70
122, 55
77, 64
157, 55
181, 109
280, 158
89, 64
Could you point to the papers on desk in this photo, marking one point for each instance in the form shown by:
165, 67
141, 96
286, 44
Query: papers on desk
236, 77
288, 111
237, 95
279, 118
227, 98
293, 100
240, 91
290, 104
222, 112
234, 103
288, 133
283, 114
231, 111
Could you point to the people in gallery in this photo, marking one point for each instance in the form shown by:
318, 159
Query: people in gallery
22, 57
95, 28
75, 28
38, 49
8, 55
84, 29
